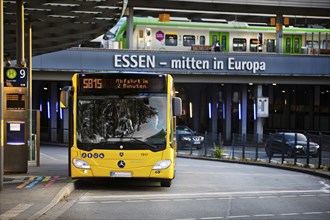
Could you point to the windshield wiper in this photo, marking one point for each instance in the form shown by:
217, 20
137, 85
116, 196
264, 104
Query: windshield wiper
143, 142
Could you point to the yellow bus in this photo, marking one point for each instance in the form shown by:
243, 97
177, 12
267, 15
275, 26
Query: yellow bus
122, 125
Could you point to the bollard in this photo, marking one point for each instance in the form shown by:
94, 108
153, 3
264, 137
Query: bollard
320, 150
283, 141
295, 144
270, 148
243, 145
307, 159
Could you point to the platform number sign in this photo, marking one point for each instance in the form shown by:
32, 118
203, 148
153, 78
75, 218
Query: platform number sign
15, 77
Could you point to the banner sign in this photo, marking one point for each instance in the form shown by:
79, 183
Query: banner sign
183, 62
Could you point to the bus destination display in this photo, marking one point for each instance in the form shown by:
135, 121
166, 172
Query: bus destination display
151, 84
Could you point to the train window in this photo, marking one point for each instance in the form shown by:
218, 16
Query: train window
223, 43
254, 43
239, 44
202, 40
312, 44
296, 45
214, 39
288, 45
270, 45
171, 40
148, 32
140, 33
188, 40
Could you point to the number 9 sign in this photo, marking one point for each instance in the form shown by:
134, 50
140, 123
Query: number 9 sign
15, 77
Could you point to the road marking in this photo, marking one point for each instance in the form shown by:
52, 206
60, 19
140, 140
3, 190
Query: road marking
51, 181
287, 214
288, 196
264, 215
205, 199
308, 195
189, 195
11, 213
135, 201
111, 202
50, 157
210, 218
34, 182
181, 200
26, 182
46, 179
239, 216
267, 197
312, 213
160, 200
86, 202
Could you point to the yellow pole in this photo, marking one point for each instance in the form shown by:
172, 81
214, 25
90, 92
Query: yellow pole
1, 93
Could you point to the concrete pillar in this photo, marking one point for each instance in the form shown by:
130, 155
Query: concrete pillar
271, 101
279, 33
214, 109
129, 28
53, 113
20, 47
259, 123
317, 102
228, 103
196, 107
243, 110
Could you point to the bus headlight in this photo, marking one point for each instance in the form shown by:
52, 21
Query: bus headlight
80, 164
162, 164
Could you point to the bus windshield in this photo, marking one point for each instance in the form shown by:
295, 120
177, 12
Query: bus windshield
136, 121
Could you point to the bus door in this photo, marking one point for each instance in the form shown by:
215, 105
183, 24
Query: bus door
222, 37
292, 44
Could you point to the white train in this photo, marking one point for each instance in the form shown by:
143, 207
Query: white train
151, 34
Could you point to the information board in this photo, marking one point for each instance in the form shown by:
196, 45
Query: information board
15, 77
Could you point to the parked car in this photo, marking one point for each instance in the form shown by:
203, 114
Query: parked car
291, 146
187, 138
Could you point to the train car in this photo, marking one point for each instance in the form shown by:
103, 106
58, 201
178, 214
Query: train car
149, 33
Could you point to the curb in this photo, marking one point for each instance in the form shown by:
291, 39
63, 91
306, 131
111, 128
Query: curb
319, 173
64, 192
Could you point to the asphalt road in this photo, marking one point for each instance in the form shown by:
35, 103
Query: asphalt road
203, 190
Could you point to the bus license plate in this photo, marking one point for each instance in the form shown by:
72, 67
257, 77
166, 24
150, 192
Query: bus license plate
121, 174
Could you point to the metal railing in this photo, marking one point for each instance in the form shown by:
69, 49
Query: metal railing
265, 148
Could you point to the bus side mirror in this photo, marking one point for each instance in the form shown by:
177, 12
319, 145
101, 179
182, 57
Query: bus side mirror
177, 106
65, 94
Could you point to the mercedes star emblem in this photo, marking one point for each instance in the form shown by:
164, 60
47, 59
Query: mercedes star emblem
121, 164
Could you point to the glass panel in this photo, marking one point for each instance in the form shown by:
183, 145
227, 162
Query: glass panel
223, 42
270, 45
105, 119
254, 43
214, 39
171, 40
202, 40
296, 45
239, 44
188, 40
288, 45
